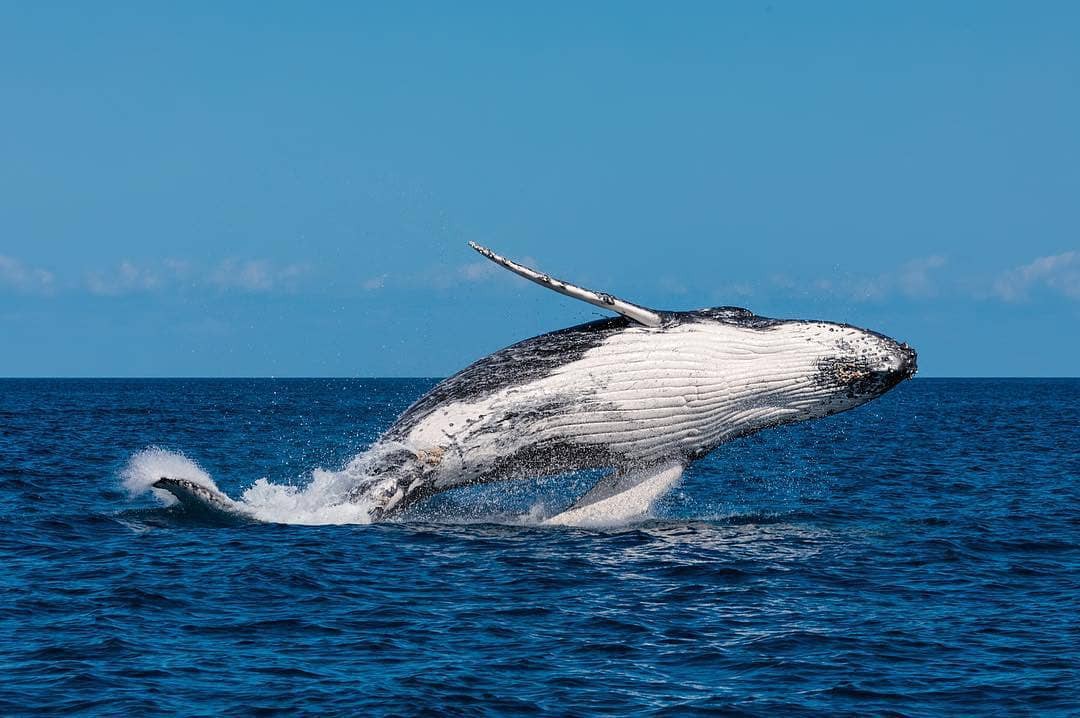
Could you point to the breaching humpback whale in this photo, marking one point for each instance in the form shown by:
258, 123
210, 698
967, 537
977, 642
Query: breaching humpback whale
643, 394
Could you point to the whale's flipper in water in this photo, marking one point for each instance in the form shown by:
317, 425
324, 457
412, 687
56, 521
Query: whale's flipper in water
620, 497
642, 315
204, 501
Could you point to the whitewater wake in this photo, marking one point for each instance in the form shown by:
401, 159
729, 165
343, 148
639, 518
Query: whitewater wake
332, 497
322, 501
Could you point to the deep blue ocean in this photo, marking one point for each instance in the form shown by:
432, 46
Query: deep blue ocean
917, 556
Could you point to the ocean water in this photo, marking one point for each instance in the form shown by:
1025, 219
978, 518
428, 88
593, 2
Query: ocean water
916, 556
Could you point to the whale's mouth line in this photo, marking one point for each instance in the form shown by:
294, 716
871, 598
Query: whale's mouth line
859, 382
863, 381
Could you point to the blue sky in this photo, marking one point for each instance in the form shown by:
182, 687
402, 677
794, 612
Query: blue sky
239, 189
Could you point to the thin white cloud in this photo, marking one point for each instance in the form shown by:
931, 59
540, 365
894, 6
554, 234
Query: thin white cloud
731, 293
180, 269
126, 278
1057, 272
478, 271
441, 277
16, 275
916, 279
919, 279
484, 269
253, 275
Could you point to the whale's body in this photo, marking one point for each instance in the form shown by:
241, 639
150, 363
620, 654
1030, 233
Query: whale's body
643, 394
615, 394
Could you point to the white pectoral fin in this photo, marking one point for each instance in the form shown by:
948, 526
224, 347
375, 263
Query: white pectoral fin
620, 497
641, 315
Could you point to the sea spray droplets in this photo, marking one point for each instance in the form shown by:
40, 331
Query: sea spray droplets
153, 463
323, 500
328, 497
344, 497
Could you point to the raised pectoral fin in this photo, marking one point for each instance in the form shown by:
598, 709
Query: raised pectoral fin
620, 497
641, 315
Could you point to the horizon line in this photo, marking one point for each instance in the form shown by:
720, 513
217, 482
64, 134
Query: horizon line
402, 377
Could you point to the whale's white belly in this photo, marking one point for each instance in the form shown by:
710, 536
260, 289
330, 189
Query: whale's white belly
641, 396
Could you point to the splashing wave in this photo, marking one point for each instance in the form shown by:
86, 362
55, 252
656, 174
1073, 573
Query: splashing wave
321, 501
332, 497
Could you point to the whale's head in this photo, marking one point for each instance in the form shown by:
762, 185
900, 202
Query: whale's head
779, 371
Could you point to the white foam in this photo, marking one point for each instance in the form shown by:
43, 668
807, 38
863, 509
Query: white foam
321, 501
325, 498
149, 465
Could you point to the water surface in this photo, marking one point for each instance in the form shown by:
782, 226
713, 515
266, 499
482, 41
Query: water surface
918, 555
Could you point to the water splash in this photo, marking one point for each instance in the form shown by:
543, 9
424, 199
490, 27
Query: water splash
149, 465
324, 500
342, 497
